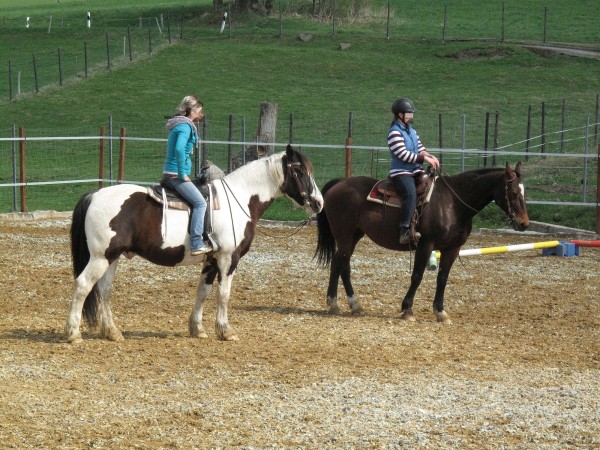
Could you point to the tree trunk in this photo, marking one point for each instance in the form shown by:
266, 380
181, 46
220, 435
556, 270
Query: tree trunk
267, 126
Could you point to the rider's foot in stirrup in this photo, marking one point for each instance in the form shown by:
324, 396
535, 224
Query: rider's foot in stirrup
405, 237
204, 248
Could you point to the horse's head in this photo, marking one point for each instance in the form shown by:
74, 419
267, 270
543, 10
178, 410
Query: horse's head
299, 183
512, 198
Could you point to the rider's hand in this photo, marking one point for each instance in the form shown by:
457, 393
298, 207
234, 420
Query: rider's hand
433, 161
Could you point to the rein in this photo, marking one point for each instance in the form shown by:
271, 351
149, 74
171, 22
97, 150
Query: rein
511, 213
258, 227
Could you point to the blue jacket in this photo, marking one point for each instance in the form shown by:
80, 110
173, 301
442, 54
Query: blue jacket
180, 144
405, 147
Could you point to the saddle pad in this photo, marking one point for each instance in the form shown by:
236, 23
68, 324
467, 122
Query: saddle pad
385, 193
382, 193
156, 193
174, 202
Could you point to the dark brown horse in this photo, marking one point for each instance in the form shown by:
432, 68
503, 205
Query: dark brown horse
444, 223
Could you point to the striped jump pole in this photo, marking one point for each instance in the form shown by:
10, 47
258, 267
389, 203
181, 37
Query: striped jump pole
586, 243
504, 248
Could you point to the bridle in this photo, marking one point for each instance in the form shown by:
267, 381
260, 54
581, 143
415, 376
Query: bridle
291, 166
301, 190
511, 213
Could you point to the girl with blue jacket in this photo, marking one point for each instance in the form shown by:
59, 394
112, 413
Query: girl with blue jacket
408, 155
183, 137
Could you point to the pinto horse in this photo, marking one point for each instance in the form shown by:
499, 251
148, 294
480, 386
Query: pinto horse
444, 223
124, 220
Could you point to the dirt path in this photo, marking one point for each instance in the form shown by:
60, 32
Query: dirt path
518, 368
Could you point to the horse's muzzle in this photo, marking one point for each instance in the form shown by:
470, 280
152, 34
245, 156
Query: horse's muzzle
520, 225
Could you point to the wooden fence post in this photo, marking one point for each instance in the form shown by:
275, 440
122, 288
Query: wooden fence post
440, 133
121, 177
496, 125
528, 140
598, 193
101, 160
22, 173
229, 146
349, 148
485, 142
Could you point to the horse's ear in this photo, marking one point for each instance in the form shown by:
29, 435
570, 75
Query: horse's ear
518, 168
289, 151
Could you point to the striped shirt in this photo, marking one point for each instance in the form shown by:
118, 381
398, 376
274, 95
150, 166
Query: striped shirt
409, 158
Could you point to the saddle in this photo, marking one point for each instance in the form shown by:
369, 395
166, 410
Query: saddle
165, 195
385, 192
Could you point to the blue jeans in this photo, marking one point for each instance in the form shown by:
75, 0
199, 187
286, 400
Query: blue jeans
408, 192
190, 192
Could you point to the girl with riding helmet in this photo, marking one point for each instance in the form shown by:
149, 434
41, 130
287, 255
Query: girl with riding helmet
408, 155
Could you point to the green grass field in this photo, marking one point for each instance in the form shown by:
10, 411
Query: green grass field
471, 73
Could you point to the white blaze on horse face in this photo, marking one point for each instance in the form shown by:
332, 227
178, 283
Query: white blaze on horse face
522, 189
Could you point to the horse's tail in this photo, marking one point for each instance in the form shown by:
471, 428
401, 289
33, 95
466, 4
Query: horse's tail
325, 240
80, 255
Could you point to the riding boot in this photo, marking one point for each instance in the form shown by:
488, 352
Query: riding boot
405, 236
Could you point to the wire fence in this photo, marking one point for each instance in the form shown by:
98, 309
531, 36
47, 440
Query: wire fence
73, 48
53, 171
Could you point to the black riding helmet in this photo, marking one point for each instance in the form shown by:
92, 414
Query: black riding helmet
403, 105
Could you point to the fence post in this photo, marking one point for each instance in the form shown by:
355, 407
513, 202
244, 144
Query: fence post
545, 22
60, 80
37, 87
445, 23
503, 20
562, 126
22, 173
485, 142
291, 128
230, 138
10, 97
149, 39
440, 132
387, 31
101, 160
543, 147
14, 164
129, 43
598, 193
528, 140
107, 53
349, 148
204, 146
597, 118
169, 26
121, 177
496, 124
85, 58
333, 16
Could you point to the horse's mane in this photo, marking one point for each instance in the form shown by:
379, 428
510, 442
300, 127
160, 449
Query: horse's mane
275, 165
474, 174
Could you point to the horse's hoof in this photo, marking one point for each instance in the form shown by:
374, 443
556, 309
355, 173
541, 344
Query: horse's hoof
197, 330
199, 335
333, 310
442, 317
409, 317
75, 339
113, 334
226, 333
357, 310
